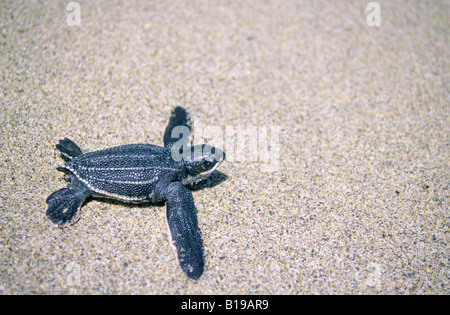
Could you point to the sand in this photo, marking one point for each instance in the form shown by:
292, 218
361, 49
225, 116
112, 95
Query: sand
357, 201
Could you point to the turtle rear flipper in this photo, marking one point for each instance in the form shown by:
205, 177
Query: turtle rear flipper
68, 148
64, 204
183, 228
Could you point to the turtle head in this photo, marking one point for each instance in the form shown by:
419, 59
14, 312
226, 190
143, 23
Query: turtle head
204, 159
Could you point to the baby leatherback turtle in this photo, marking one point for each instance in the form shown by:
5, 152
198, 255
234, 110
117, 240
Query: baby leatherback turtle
143, 173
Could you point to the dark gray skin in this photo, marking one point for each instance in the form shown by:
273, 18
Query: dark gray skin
142, 173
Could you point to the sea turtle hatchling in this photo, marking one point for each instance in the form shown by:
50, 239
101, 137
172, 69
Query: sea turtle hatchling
143, 173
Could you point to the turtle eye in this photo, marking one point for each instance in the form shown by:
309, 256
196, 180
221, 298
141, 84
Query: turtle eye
207, 165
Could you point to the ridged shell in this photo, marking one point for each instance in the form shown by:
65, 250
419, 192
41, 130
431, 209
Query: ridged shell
128, 172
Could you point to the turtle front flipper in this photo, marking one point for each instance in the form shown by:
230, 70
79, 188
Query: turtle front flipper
68, 148
179, 117
184, 231
64, 204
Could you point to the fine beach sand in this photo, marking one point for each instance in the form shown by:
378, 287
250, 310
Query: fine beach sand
358, 202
